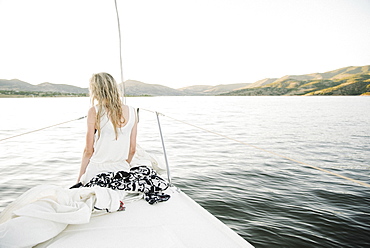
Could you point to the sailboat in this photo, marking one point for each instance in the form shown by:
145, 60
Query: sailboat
179, 222
51, 216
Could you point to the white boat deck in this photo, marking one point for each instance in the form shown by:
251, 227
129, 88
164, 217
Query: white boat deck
179, 222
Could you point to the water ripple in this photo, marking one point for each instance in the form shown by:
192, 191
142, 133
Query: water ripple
270, 201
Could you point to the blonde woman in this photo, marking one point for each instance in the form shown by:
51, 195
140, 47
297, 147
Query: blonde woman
111, 145
111, 130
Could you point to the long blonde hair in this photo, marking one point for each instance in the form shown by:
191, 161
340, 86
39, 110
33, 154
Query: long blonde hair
104, 89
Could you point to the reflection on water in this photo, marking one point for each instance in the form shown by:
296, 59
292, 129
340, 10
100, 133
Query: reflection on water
268, 200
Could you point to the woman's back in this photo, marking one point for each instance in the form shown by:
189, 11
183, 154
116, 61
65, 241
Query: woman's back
108, 149
111, 130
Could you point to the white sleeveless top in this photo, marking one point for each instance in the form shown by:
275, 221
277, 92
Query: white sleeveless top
110, 154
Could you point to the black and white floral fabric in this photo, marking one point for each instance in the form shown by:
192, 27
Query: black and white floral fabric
138, 179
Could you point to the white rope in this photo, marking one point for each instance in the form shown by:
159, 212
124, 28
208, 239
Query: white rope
216, 133
264, 150
33, 131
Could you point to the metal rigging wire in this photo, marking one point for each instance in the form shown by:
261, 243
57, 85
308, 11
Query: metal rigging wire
120, 54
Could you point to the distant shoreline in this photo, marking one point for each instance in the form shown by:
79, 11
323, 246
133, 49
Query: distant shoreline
351, 81
31, 94
61, 96
43, 94
20, 96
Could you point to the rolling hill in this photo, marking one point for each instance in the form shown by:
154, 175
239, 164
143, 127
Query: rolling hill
132, 88
352, 80
18, 85
204, 90
137, 88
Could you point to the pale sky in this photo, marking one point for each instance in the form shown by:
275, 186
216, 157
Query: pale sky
180, 43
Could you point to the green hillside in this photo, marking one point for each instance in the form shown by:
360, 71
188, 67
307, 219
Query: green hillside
352, 80
345, 81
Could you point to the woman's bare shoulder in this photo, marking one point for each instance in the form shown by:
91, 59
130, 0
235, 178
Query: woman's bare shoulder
91, 111
125, 109
91, 115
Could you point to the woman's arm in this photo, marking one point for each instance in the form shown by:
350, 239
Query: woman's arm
89, 147
133, 141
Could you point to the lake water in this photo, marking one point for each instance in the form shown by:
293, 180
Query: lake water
270, 201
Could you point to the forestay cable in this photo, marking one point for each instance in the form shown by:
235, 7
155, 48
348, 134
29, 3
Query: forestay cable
271, 152
221, 135
33, 131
